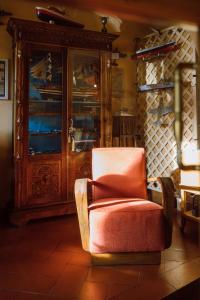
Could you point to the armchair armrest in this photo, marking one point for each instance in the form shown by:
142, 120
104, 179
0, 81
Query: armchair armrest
82, 191
168, 200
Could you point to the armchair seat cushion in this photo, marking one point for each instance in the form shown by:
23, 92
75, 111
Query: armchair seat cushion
126, 225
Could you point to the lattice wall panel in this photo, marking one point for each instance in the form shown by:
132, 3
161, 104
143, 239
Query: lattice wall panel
159, 140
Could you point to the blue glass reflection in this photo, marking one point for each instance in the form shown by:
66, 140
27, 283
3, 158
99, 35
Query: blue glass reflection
44, 144
44, 124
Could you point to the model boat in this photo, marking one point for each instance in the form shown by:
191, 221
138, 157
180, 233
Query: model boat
152, 49
53, 17
156, 51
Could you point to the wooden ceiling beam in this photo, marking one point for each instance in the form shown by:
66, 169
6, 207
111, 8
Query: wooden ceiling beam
141, 10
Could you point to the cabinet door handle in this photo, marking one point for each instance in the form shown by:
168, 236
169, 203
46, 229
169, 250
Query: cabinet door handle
71, 133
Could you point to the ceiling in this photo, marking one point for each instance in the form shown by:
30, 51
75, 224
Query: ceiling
144, 11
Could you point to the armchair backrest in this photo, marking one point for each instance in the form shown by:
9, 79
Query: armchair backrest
119, 172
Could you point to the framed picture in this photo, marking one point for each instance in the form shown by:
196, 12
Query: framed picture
3, 79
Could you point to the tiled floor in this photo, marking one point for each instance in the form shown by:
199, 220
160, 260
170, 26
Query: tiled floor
44, 261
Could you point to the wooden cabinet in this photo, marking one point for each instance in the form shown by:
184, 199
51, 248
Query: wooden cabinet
124, 131
190, 204
62, 110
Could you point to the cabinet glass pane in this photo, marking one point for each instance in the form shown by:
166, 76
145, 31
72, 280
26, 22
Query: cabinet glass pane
86, 109
44, 144
45, 102
45, 107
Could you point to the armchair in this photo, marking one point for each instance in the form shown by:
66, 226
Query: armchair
118, 224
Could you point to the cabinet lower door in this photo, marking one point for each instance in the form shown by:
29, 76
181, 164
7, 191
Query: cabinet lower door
44, 182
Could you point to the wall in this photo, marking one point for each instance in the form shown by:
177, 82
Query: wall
126, 44
25, 10
5, 126
157, 131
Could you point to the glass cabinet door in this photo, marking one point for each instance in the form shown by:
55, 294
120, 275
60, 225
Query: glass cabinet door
45, 102
85, 107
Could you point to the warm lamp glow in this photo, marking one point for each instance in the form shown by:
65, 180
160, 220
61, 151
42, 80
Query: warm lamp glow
191, 178
191, 156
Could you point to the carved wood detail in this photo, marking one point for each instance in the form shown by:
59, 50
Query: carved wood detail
45, 181
65, 36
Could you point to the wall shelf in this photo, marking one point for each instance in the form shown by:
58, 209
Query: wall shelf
156, 52
154, 87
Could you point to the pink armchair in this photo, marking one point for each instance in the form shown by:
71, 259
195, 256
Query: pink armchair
118, 224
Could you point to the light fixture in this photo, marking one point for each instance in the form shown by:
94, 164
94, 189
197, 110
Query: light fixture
116, 54
104, 21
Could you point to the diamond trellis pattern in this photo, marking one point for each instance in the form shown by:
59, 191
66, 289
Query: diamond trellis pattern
159, 140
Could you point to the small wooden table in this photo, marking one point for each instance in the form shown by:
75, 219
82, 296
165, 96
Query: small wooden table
186, 214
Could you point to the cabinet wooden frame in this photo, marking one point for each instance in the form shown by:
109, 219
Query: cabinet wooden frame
29, 36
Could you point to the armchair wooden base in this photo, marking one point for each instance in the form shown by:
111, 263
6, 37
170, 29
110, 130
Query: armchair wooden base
128, 258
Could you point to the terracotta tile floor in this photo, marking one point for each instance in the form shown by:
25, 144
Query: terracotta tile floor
44, 261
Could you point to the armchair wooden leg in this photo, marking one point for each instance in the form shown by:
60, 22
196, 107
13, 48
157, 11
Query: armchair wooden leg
135, 258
